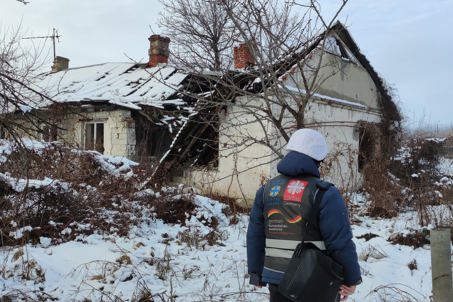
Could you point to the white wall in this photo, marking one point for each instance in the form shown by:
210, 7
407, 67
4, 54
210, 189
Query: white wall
119, 129
342, 134
243, 167
243, 163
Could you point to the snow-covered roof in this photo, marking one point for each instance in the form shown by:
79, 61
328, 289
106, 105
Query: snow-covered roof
338, 101
128, 85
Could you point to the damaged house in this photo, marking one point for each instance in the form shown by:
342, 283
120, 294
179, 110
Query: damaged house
349, 104
121, 109
224, 133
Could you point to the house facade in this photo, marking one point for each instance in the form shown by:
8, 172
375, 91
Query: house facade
177, 122
243, 167
120, 109
349, 98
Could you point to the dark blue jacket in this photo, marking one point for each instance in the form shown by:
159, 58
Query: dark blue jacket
333, 223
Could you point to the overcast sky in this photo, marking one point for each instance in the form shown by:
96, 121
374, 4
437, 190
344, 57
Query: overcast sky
408, 42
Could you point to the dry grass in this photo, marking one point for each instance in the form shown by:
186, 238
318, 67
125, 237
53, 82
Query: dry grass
407, 181
84, 197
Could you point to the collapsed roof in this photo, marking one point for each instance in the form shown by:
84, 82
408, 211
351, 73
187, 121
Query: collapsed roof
253, 80
197, 97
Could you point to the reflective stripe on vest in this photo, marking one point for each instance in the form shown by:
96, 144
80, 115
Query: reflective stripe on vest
272, 252
291, 244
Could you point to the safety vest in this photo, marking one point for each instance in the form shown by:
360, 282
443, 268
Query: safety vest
287, 200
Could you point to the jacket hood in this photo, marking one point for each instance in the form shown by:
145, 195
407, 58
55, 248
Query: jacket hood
298, 164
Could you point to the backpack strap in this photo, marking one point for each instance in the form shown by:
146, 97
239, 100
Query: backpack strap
321, 188
312, 218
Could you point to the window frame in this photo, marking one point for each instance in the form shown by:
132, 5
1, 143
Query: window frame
95, 144
48, 132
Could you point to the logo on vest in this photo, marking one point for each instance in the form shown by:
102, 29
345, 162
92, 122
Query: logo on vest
275, 190
295, 190
273, 212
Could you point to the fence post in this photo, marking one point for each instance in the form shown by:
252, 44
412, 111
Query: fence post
441, 265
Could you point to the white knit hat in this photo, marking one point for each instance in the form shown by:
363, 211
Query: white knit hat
309, 142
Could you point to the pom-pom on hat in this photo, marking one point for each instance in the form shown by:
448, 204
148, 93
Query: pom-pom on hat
309, 142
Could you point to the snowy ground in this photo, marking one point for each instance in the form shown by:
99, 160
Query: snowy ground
446, 166
173, 263
154, 259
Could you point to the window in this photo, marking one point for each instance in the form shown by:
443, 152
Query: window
94, 137
2, 132
336, 47
48, 132
366, 146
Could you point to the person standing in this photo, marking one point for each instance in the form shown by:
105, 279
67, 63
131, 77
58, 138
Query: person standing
275, 226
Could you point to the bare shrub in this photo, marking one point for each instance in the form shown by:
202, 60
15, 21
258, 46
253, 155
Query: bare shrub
406, 180
383, 191
418, 157
416, 169
56, 162
416, 239
23, 267
233, 208
62, 214
83, 196
29, 295
45, 212
193, 238
214, 237
341, 164
396, 292
163, 265
171, 208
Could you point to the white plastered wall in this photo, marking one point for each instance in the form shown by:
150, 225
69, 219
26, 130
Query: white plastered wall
243, 163
340, 127
240, 172
345, 80
119, 130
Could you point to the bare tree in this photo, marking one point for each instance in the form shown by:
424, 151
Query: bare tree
202, 32
294, 51
275, 31
18, 68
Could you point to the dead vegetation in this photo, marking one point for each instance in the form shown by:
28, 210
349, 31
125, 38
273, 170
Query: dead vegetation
416, 239
406, 180
410, 180
58, 193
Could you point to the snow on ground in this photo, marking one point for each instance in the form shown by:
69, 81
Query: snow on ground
157, 258
446, 166
385, 267
171, 262
91, 266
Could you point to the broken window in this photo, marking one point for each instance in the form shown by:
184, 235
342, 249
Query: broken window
3, 132
366, 145
94, 136
48, 132
335, 47
152, 140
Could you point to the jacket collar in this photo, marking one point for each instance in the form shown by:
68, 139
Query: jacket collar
298, 164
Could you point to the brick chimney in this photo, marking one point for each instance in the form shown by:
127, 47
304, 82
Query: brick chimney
158, 50
60, 63
243, 56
